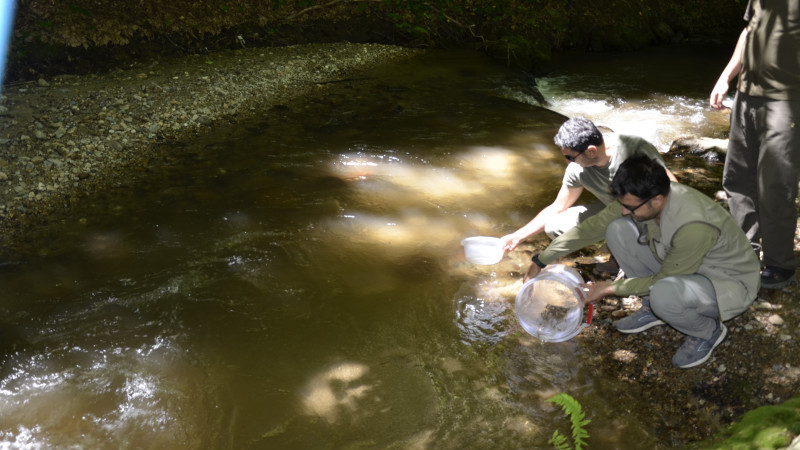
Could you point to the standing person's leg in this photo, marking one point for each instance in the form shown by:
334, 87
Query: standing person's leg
688, 303
778, 168
739, 178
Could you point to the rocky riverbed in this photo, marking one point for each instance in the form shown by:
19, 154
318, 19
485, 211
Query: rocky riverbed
757, 364
67, 136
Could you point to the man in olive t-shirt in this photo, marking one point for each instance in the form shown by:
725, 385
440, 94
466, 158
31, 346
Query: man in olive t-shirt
593, 160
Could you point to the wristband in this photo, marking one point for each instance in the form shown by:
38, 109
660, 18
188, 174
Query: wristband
536, 261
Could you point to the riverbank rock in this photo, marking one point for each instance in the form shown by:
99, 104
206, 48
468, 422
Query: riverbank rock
705, 147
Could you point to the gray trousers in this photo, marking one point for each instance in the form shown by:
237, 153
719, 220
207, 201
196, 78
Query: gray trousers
761, 174
688, 303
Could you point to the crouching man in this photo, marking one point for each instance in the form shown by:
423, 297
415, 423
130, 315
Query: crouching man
682, 253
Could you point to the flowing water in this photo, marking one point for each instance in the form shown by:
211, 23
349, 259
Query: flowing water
298, 283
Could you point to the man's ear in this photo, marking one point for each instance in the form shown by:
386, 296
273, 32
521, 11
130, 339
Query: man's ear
660, 200
593, 149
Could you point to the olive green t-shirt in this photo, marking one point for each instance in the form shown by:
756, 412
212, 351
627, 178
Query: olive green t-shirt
597, 180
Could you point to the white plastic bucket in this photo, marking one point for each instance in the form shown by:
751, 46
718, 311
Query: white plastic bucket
484, 250
549, 306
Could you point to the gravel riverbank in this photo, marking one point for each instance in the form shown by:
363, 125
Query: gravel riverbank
67, 136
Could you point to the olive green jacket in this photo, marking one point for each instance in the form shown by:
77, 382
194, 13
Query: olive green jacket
695, 235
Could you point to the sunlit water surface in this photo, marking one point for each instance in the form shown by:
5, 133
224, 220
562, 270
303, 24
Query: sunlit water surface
297, 282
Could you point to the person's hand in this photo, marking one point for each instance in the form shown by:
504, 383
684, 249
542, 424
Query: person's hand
592, 292
533, 270
509, 242
718, 93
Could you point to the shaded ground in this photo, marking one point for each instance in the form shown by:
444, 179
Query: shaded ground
757, 364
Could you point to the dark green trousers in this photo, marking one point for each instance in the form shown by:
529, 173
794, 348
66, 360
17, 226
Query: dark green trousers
761, 174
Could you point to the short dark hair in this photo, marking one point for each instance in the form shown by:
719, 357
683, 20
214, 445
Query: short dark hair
640, 176
578, 134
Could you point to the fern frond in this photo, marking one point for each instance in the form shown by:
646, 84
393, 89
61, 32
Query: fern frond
573, 409
559, 441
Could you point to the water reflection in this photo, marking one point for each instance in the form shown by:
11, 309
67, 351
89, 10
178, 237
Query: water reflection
337, 389
302, 285
405, 205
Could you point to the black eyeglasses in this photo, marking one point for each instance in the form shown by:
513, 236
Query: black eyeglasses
573, 158
631, 209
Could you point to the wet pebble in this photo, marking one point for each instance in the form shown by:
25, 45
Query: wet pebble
624, 355
775, 320
765, 305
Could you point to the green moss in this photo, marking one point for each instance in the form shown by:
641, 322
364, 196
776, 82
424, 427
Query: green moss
767, 427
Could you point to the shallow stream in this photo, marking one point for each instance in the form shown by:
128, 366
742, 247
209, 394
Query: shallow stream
297, 282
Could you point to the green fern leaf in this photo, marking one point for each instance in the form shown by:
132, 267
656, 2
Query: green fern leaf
573, 409
559, 441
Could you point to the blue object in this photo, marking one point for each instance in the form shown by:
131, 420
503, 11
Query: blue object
6, 25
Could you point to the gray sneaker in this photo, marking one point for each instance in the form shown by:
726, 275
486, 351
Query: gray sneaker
641, 320
695, 351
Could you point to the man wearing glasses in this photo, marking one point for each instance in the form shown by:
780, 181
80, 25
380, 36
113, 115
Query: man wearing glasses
593, 159
681, 252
